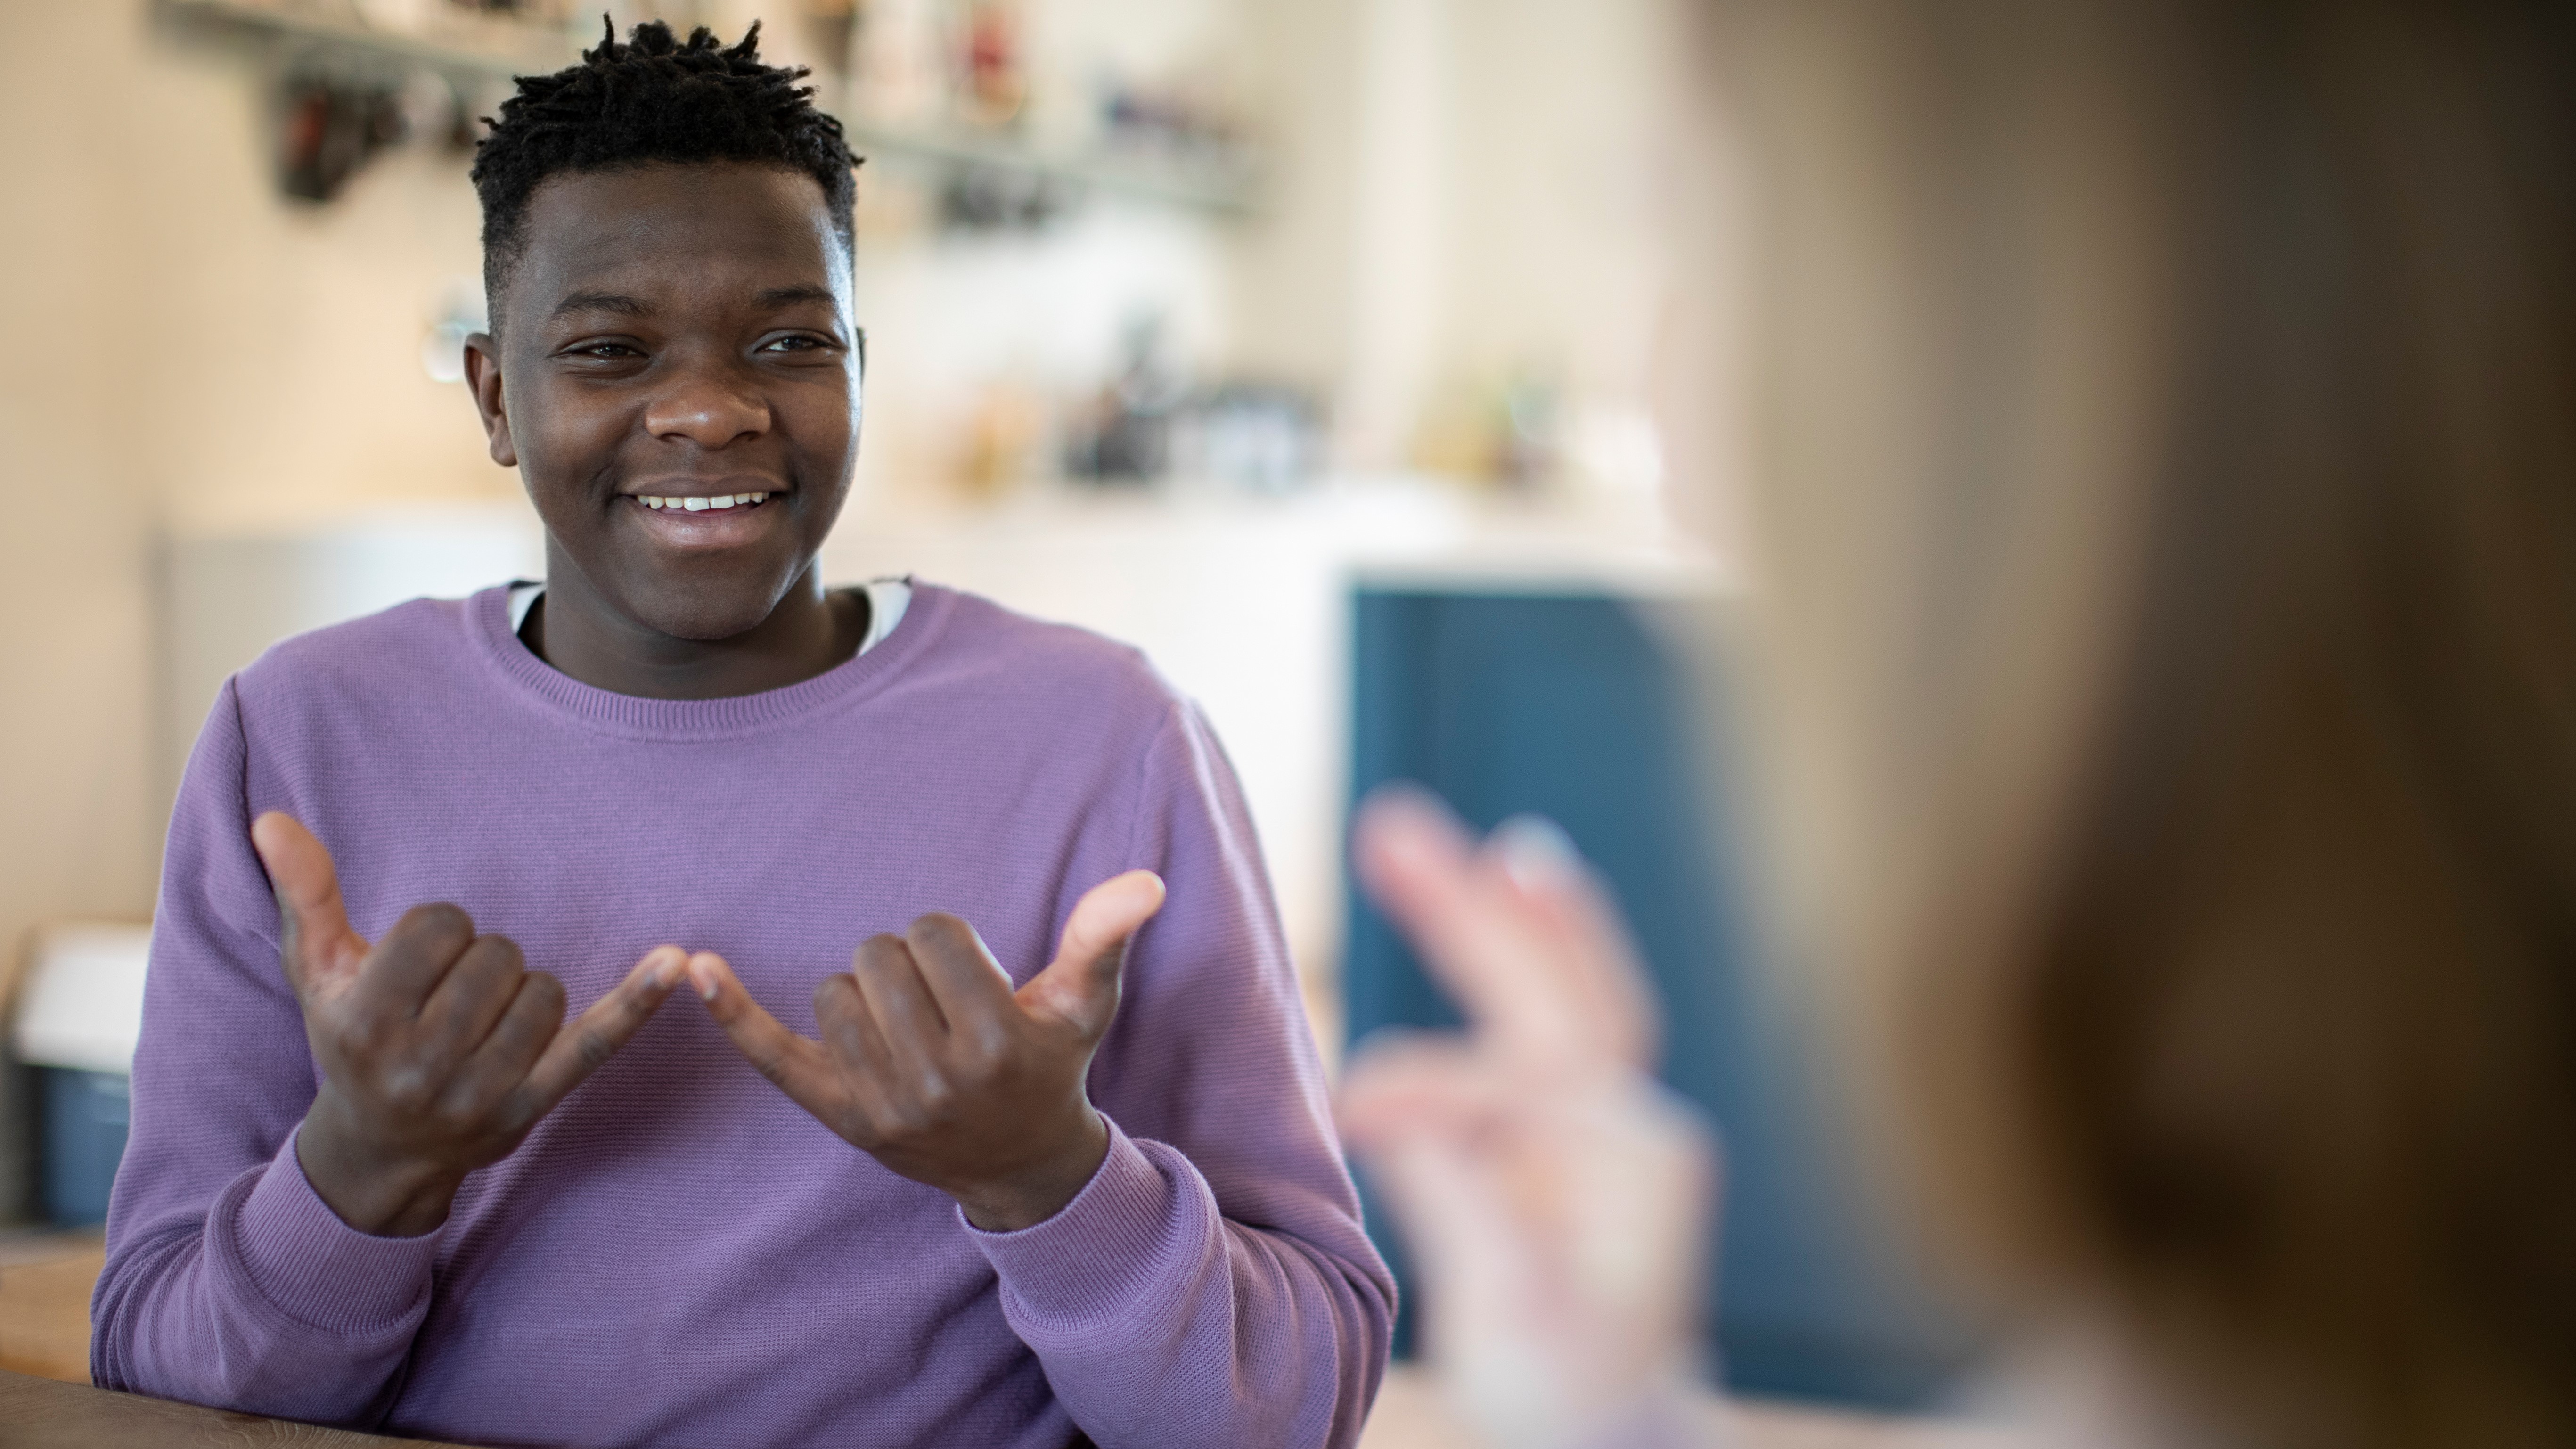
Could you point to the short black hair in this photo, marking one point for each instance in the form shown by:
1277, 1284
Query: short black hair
654, 100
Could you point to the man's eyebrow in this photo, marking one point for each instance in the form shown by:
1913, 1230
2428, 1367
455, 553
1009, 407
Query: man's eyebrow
617, 302
789, 296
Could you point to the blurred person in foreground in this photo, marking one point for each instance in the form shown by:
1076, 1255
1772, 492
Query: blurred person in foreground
2167, 522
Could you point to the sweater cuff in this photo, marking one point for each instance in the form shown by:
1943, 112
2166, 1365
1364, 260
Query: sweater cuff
1128, 1231
318, 1269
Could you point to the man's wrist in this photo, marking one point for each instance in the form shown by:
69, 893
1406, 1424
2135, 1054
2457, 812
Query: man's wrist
373, 1194
1038, 1193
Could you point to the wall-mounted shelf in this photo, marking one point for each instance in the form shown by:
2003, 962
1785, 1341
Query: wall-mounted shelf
1228, 186
471, 49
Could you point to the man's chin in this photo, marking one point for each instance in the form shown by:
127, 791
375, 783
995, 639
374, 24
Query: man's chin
705, 613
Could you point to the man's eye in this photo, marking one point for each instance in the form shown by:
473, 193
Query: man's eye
794, 344
605, 349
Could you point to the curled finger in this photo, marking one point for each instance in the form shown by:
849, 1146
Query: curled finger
471, 998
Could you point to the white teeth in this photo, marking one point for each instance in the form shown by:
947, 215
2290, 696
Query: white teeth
703, 505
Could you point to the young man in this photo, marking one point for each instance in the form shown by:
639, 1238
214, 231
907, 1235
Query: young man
979, 1198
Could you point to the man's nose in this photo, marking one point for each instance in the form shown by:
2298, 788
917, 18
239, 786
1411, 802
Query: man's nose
707, 408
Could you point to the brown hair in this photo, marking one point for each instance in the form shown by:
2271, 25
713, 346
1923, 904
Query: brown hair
2169, 472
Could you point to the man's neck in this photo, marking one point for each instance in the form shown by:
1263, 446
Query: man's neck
582, 635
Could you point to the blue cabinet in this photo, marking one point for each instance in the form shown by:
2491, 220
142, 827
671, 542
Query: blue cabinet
80, 1142
1577, 707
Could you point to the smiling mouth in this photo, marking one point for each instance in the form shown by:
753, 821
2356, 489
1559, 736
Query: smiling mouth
719, 503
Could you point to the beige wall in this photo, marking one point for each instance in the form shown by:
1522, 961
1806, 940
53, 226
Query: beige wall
1293, 264
181, 342
1467, 191
1559, 179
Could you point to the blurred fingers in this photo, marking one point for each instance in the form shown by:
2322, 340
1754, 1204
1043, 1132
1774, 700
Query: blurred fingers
1566, 902
1516, 933
1640, 1182
1479, 1264
1568, 1222
1555, 1293
1408, 1084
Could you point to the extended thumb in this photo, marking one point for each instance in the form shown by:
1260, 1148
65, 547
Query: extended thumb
311, 913
1081, 984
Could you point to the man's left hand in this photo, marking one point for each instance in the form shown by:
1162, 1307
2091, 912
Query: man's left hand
933, 1065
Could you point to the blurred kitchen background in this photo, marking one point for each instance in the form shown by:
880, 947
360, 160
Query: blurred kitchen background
1312, 345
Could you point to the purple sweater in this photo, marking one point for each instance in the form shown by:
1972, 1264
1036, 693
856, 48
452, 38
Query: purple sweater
679, 1254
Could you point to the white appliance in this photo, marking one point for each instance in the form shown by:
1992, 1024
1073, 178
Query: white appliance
81, 1003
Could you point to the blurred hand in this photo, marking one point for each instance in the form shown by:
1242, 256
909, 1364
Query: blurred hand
439, 1049
934, 1066
1552, 1194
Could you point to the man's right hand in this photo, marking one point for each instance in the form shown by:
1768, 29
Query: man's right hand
439, 1049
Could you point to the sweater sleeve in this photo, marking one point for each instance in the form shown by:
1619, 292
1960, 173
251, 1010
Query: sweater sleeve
1212, 1284
228, 1282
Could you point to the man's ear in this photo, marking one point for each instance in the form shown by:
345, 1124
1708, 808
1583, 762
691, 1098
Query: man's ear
483, 379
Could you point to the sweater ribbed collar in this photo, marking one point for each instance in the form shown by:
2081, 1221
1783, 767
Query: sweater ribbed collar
487, 618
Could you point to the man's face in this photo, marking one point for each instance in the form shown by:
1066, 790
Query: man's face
678, 333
